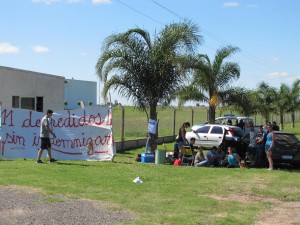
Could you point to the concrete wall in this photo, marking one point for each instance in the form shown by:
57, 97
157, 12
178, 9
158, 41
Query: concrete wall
79, 90
23, 83
139, 143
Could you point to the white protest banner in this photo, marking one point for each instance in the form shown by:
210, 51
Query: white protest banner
82, 134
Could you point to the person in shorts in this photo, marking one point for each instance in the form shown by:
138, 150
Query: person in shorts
181, 140
44, 135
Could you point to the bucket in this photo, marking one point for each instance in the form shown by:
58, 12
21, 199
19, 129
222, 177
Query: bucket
160, 156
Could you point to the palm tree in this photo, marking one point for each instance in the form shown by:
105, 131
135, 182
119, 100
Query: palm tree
144, 70
241, 99
265, 97
293, 102
209, 79
281, 101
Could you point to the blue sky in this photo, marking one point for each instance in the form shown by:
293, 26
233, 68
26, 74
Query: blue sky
64, 37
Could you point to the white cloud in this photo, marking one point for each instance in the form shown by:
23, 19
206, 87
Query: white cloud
40, 49
48, 2
275, 79
231, 4
6, 48
101, 1
276, 75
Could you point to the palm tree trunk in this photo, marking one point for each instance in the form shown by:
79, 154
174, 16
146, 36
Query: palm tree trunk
152, 142
212, 114
281, 120
293, 119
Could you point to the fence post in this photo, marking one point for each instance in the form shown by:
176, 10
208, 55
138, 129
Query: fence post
174, 121
122, 127
192, 115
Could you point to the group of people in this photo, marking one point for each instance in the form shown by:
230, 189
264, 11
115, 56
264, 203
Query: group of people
260, 144
216, 157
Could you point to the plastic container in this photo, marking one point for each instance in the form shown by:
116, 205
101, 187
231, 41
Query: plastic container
147, 157
160, 156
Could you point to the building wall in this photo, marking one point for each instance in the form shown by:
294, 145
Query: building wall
79, 90
23, 83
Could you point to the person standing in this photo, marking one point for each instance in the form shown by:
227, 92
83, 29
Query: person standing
260, 141
45, 139
181, 140
251, 149
269, 146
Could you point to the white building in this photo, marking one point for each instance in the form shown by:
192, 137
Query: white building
79, 90
40, 91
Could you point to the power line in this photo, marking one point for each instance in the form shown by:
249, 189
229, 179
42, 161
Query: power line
210, 34
139, 12
217, 38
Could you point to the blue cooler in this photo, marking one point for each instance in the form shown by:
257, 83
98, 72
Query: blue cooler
147, 157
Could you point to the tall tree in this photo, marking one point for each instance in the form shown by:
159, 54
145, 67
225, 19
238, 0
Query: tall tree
265, 97
209, 79
292, 100
144, 70
281, 101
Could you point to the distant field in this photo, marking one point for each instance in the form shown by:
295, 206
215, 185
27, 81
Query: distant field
135, 121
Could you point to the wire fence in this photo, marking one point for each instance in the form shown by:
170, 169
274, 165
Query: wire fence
131, 123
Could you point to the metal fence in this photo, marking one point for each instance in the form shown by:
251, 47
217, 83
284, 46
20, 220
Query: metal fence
130, 123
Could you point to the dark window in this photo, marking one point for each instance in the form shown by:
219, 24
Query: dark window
40, 104
203, 130
28, 103
15, 101
216, 130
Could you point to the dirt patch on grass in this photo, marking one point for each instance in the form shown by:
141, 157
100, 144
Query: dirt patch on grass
26, 206
279, 213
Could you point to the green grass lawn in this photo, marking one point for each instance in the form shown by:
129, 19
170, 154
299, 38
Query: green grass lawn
168, 194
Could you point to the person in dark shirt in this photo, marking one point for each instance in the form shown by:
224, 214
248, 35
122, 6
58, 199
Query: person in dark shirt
275, 126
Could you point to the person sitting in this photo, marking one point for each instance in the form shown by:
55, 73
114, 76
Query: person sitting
210, 159
232, 160
191, 154
220, 155
199, 157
